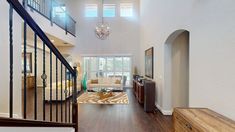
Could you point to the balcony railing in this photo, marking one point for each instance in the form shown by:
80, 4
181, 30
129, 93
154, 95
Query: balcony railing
55, 12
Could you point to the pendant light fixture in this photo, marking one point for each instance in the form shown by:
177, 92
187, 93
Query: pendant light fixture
102, 29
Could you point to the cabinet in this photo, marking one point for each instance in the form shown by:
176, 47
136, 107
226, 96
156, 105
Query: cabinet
145, 94
201, 120
138, 90
149, 96
30, 82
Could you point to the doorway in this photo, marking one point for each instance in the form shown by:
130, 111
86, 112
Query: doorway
177, 69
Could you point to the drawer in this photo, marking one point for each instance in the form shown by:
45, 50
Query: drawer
182, 125
201, 120
179, 127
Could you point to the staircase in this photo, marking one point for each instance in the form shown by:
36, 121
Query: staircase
61, 109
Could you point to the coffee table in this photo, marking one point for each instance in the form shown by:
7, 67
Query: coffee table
106, 89
103, 93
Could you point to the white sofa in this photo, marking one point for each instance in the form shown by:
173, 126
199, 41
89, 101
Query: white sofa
106, 82
47, 91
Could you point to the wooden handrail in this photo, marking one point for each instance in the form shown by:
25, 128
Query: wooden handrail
29, 20
10, 122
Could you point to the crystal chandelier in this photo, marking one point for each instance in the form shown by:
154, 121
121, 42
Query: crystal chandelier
102, 29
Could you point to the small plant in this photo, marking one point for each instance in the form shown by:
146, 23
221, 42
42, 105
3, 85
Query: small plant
103, 90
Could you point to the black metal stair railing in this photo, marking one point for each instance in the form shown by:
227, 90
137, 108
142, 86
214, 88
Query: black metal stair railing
35, 78
65, 94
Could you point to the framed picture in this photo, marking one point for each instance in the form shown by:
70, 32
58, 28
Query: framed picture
28, 62
149, 70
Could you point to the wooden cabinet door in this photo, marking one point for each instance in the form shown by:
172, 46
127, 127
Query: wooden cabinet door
141, 94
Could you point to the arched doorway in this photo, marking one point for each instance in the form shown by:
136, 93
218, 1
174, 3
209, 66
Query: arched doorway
177, 69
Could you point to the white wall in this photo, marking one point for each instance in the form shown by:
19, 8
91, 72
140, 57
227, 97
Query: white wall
212, 27
124, 37
5, 64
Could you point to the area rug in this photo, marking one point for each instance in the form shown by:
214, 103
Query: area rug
93, 98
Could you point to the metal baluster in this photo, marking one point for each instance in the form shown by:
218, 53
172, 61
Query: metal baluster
75, 86
44, 76
50, 85
51, 12
69, 97
35, 76
43, 7
65, 94
61, 93
75, 104
24, 3
25, 70
71, 100
56, 89
66, 23
35, 5
11, 61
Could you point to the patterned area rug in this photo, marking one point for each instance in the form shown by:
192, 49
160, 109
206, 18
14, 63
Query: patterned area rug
93, 98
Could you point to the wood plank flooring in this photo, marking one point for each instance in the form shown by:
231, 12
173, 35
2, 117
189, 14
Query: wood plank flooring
110, 118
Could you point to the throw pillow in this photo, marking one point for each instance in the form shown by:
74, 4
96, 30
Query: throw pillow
118, 82
94, 81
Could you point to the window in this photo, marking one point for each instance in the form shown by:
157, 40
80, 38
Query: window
108, 66
91, 10
118, 64
109, 10
59, 11
126, 9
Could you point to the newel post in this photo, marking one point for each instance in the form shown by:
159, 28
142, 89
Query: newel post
75, 104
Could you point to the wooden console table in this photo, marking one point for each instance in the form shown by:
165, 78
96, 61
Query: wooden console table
201, 120
145, 94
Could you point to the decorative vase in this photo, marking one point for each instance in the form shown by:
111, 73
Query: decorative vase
84, 82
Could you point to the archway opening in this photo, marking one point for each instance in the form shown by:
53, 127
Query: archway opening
177, 69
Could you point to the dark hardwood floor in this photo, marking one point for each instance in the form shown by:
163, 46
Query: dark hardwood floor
121, 118
109, 118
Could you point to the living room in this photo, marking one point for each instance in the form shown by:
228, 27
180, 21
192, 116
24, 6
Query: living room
163, 25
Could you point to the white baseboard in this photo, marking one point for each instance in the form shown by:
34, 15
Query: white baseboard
7, 115
164, 112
